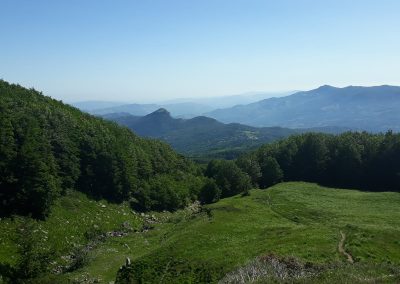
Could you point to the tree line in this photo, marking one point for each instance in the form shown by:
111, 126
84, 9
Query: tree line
352, 160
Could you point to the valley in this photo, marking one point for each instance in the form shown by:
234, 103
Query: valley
203, 138
200, 137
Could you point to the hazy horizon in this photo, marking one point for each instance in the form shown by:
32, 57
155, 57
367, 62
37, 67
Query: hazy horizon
133, 51
172, 99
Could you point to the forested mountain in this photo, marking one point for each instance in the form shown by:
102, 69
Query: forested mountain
47, 147
359, 108
204, 136
200, 135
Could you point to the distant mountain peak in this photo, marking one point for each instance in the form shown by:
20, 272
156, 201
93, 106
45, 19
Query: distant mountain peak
161, 112
326, 87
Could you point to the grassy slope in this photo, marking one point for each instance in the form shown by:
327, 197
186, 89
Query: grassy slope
290, 219
72, 216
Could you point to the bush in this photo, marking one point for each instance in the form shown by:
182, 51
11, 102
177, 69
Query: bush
33, 255
162, 269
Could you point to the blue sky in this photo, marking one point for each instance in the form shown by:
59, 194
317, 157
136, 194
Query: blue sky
155, 50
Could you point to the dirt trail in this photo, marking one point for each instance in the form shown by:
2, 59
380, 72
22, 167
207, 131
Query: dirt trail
342, 250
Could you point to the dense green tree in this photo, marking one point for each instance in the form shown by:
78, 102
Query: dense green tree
164, 192
352, 159
312, 156
346, 164
228, 176
250, 165
210, 192
38, 185
8, 152
384, 171
271, 172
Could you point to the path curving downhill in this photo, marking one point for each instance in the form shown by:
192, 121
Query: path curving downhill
342, 250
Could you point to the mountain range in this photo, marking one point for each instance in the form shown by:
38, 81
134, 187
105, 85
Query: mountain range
202, 135
373, 109
183, 108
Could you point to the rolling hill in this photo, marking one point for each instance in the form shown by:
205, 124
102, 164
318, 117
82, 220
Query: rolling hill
360, 108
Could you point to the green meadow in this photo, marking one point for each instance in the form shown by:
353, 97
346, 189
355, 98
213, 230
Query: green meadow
296, 220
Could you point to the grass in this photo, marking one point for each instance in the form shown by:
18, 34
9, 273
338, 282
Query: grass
296, 219
74, 220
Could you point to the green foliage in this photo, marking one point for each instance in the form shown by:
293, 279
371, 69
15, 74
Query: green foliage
156, 269
164, 192
63, 241
352, 159
210, 192
250, 165
228, 176
8, 150
271, 172
33, 256
47, 147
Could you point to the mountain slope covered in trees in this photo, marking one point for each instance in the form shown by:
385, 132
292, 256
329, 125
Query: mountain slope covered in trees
204, 136
361, 108
47, 147
200, 136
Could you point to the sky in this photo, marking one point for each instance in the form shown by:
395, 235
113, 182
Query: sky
150, 50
